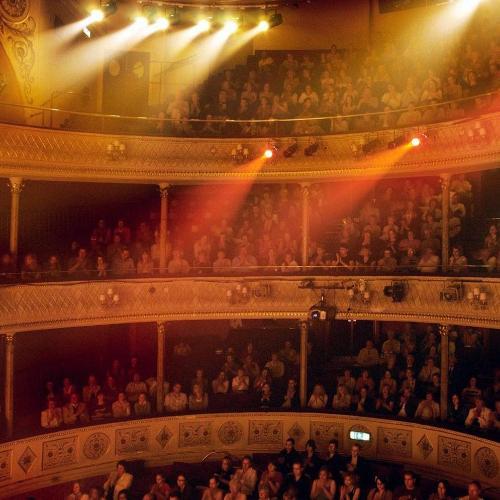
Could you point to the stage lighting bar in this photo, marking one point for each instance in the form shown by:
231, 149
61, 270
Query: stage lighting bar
106, 9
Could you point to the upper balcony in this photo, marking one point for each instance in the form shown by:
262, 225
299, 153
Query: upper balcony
100, 148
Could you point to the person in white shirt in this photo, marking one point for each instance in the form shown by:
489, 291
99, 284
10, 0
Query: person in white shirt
479, 415
118, 480
176, 401
52, 417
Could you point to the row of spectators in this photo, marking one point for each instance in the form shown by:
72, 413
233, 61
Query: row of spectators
394, 80
291, 475
398, 375
397, 229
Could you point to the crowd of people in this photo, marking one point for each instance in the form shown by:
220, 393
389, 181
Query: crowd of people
395, 228
396, 375
396, 84
289, 475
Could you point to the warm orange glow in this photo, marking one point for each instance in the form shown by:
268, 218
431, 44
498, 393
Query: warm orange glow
416, 142
268, 153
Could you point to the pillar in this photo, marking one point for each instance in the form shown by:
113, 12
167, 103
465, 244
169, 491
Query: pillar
9, 385
160, 366
163, 226
16, 186
304, 335
445, 221
443, 404
305, 224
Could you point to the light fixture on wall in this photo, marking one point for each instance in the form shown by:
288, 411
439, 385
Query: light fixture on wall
358, 290
240, 154
110, 298
116, 151
239, 294
397, 291
477, 298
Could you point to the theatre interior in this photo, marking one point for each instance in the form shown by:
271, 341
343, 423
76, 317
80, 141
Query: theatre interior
249, 249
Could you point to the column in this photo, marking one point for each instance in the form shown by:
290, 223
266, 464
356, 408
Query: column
445, 221
163, 226
16, 186
443, 404
160, 366
304, 335
305, 223
9, 386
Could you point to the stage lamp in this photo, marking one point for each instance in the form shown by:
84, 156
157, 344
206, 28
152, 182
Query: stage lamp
415, 142
268, 153
162, 23
141, 21
263, 25
203, 25
96, 16
275, 20
231, 26
311, 149
292, 149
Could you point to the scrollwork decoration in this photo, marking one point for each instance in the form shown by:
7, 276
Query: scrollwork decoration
18, 28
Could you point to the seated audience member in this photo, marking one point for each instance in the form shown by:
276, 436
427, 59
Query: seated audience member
263, 493
246, 476
456, 411
342, 399
287, 456
178, 265
68, 389
350, 489
213, 492
275, 366
262, 379
311, 460
427, 371
480, 416
198, 399
409, 488
368, 356
318, 398
142, 407
365, 381
272, 479
118, 481
221, 264
235, 491
473, 491
458, 261
241, 382
427, 409
429, 262
91, 390
291, 397
99, 409
299, 481
176, 401
323, 488
80, 266
388, 381
76, 492
110, 390
225, 473
381, 490
220, 385
391, 345
471, 393
184, 490
441, 491
334, 462
387, 264
52, 417
356, 464
160, 489
121, 407
123, 264
407, 404
385, 402
266, 400
135, 388
200, 379
145, 265
75, 412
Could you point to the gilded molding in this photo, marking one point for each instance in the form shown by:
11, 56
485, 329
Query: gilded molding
18, 28
45, 306
36, 153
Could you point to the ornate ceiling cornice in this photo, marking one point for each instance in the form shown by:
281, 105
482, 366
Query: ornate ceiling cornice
34, 153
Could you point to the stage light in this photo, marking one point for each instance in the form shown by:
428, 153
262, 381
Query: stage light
291, 150
162, 23
311, 149
141, 21
263, 25
87, 32
415, 142
96, 16
275, 20
203, 25
268, 153
231, 26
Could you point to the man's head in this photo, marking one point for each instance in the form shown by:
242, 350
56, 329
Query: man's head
297, 469
290, 444
409, 480
474, 490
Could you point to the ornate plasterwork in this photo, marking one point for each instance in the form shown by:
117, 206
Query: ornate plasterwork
487, 462
454, 453
96, 445
322, 432
27, 459
5, 464
60, 452
394, 442
195, 434
17, 28
132, 440
230, 432
265, 432
47, 306
51, 154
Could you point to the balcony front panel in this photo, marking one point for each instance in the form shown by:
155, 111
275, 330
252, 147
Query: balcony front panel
58, 305
35, 153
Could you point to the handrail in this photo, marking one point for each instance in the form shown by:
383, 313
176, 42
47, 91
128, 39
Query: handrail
248, 121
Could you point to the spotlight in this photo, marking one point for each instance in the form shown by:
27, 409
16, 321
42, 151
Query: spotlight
415, 142
162, 23
231, 26
96, 16
418, 140
291, 150
396, 290
268, 153
275, 20
263, 25
311, 149
141, 21
203, 25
